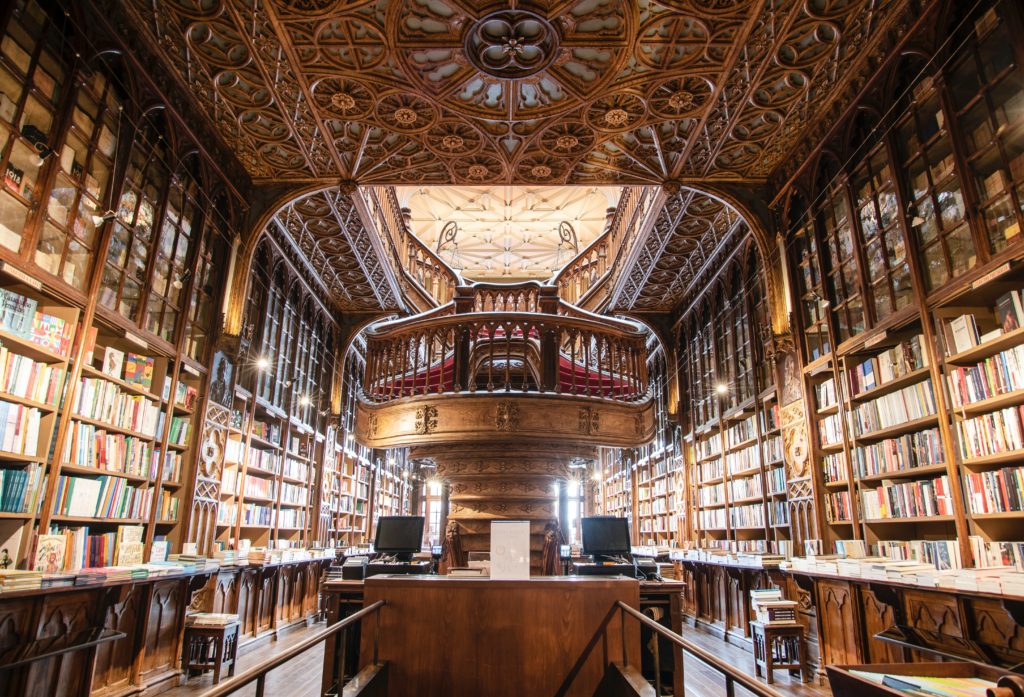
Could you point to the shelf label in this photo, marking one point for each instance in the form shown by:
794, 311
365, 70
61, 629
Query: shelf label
990, 276
875, 340
135, 339
21, 276
189, 369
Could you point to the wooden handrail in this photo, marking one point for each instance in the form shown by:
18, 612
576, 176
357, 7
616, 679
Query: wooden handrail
259, 672
732, 675
432, 320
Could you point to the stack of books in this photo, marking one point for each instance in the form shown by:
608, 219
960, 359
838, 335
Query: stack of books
211, 619
15, 580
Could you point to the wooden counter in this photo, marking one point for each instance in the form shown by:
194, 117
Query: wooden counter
451, 636
843, 614
151, 614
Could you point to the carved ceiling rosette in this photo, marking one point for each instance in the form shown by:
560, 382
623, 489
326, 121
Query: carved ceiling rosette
512, 64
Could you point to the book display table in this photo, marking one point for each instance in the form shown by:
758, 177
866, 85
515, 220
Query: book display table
779, 647
210, 647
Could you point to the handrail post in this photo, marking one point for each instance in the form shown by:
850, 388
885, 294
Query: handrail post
622, 627
376, 637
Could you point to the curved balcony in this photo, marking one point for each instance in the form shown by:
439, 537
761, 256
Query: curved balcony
502, 360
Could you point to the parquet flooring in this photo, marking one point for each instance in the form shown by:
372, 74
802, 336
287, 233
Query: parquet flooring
300, 677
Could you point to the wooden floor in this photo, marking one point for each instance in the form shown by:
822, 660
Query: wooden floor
300, 677
702, 681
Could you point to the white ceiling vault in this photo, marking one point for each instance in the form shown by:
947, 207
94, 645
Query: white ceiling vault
507, 233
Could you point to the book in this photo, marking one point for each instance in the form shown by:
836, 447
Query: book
113, 362
158, 552
16, 313
1007, 315
138, 370
51, 333
50, 552
964, 333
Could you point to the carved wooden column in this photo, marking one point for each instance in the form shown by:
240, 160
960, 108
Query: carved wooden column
502, 481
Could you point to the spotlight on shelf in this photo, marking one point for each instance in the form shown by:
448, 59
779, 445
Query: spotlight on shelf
262, 363
98, 220
597, 477
721, 388
304, 401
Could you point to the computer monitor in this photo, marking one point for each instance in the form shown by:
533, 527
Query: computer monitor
400, 535
606, 536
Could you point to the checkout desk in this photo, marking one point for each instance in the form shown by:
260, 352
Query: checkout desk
457, 625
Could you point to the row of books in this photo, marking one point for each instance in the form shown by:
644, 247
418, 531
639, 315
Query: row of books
102, 497
19, 429
770, 419
102, 400
748, 516
825, 394
259, 487
927, 497
20, 489
168, 509
269, 432
911, 450
712, 494
942, 554
19, 315
92, 446
710, 470
834, 467
900, 360
778, 513
296, 469
741, 432
996, 555
712, 519
777, 480
74, 549
291, 518
996, 375
1000, 491
830, 430
23, 377
773, 449
257, 514
708, 447
838, 506
990, 434
266, 460
743, 460
292, 493
744, 488
912, 402
133, 368
179, 431
961, 333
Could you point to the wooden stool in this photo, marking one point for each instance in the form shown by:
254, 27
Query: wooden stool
779, 646
210, 647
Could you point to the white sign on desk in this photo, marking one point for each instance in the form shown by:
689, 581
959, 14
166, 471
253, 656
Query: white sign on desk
510, 550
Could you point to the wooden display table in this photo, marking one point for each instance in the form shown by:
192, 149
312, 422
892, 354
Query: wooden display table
779, 647
209, 648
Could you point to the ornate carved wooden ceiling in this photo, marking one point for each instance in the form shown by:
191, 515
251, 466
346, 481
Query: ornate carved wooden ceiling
329, 233
554, 91
508, 233
691, 227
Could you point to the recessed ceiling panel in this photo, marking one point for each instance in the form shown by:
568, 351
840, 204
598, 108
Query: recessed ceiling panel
507, 233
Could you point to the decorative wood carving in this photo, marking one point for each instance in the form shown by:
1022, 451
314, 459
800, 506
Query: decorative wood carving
590, 93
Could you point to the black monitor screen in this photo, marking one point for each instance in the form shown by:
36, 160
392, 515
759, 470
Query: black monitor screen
399, 533
606, 536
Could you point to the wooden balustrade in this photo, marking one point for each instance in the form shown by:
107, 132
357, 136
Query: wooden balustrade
592, 266
505, 351
410, 256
